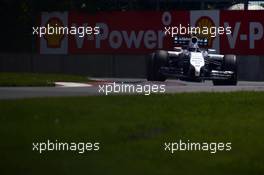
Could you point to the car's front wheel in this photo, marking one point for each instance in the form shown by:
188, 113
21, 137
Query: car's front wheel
154, 62
229, 64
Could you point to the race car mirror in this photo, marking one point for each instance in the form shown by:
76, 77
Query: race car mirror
211, 50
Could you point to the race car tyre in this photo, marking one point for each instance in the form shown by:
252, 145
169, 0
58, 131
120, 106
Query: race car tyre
154, 62
229, 64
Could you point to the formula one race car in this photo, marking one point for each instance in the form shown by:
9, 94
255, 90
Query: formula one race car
191, 62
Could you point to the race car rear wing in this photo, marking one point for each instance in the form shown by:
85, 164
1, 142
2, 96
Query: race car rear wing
184, 41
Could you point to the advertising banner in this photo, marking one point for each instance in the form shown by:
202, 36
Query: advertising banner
125, 32
143, 32
247, 32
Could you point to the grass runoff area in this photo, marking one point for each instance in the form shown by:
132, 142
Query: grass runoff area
35, 79
132, 131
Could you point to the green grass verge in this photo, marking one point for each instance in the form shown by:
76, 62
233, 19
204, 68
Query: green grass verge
132, 131
34, 79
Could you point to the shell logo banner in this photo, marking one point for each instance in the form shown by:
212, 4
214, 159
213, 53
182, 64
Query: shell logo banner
54, 44
143, 32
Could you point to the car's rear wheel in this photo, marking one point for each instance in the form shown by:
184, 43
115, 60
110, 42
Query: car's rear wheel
154, 62
229, 64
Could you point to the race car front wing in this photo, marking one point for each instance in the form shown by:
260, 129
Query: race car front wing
213, 75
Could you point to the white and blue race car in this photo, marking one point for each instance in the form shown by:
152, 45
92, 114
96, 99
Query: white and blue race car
190, 62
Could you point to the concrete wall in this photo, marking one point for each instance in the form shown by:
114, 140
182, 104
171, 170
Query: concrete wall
92, 65
250, 68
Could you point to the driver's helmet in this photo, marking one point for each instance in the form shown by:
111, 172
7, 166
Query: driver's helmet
193, 44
